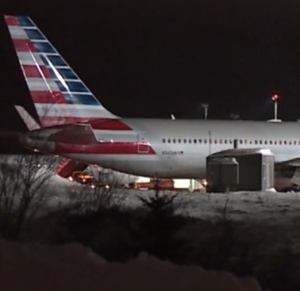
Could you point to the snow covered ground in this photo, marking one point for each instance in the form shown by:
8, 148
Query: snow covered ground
272, 217
270, 207
73, 267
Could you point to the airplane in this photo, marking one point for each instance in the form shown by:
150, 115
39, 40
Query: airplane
72, 170
75, 125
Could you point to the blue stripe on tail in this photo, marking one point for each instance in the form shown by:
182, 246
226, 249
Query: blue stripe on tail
68, 82
25, 21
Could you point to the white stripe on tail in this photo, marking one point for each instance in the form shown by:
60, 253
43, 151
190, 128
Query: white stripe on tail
59, 96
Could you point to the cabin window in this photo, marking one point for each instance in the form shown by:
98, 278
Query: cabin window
295, 142
195, 141
230, 141
220, 141
290, 142
270, 142
190, 141
204, 140
179, 140
241, 141
225, 141
184, 140
164, 140
200, 140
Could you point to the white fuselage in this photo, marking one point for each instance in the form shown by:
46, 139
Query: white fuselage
181, 146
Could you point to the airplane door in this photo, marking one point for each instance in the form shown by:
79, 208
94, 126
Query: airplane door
143, 145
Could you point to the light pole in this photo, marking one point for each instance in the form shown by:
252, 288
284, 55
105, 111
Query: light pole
275, 98
205, 106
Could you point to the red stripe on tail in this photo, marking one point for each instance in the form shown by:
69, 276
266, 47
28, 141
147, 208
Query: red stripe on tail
12, 21
109, 124
46, 97
23, 45
33, 71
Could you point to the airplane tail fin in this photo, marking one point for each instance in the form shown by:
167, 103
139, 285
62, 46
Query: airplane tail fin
59, 96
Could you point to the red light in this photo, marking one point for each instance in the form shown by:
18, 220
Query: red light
275, 97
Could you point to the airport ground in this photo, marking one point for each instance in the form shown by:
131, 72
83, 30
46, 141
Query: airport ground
254, 234
247, 233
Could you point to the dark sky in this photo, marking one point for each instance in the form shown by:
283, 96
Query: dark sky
153, 58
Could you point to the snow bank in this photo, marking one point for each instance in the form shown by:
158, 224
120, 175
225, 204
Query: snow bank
73, 267
248, 206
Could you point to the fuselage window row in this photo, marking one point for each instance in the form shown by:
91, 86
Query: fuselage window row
225, 141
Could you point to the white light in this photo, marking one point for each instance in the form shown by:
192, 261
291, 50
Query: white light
204, 183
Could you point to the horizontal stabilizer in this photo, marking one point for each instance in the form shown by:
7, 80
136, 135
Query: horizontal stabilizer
27, 118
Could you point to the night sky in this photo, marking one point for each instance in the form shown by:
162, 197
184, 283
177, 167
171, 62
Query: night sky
153, 58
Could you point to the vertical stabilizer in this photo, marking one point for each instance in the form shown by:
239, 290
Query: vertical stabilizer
59, 96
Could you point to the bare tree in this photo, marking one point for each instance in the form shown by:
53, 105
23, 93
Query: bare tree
23, 190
